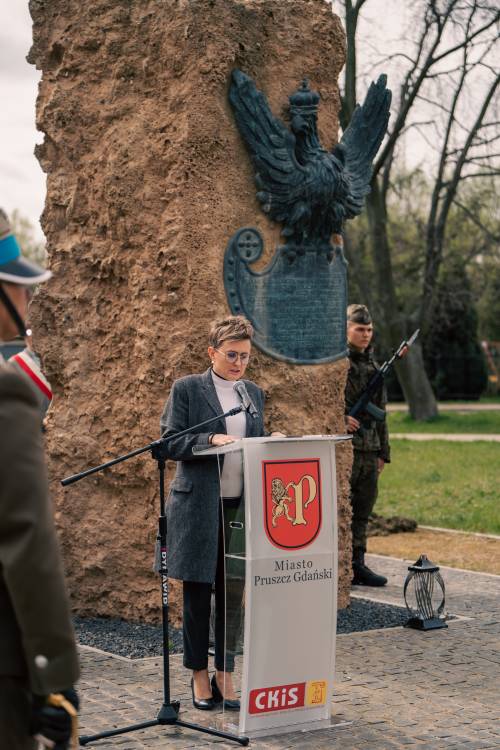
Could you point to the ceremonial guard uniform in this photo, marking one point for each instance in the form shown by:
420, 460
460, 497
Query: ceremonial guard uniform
37, 645
38, 658
371, 446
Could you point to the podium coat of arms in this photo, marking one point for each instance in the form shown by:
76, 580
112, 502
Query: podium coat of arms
292, 502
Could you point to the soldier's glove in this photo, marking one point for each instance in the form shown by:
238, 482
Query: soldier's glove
54, 719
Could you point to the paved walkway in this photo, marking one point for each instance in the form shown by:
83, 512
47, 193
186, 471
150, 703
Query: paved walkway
395, 688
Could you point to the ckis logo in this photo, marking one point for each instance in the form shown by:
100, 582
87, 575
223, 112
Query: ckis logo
286, 697
277, 698
292, 502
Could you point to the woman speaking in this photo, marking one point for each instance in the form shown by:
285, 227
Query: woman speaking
195, 525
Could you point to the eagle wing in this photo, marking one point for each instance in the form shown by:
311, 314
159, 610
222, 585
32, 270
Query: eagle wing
361, 141
280, 179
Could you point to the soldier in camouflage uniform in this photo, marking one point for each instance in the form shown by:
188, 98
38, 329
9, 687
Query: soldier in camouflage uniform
370, 440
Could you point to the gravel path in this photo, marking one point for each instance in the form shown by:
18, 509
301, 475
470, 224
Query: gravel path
137, 640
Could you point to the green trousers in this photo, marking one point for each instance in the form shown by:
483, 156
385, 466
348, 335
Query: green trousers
364, 490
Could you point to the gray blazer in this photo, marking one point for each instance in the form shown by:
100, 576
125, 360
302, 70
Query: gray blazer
193, 501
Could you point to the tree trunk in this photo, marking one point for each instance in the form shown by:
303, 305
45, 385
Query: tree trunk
410, 371
416, 386
352, 254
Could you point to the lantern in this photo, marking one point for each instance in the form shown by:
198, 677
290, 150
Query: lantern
424, 595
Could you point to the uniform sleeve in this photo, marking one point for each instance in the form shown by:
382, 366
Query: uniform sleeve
175, 418
352, 387
29, 553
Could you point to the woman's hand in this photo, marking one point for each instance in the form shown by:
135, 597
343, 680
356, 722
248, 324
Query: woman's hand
352, 424
221, 439
278, 434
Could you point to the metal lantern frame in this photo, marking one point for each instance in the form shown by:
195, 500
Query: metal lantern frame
423, 576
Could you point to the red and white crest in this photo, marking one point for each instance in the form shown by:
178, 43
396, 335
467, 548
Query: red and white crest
292, 501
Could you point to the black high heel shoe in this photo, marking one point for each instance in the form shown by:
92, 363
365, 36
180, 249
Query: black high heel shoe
229, 705
204, 704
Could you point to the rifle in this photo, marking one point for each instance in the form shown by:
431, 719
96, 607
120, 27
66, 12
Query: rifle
364, 403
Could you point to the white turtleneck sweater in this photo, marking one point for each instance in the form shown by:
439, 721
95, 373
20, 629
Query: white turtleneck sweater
231, 481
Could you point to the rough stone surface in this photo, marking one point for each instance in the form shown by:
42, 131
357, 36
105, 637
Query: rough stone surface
147, 178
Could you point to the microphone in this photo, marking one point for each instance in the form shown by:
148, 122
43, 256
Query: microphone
247, 402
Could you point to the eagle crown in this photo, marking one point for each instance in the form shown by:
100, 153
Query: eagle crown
303, 122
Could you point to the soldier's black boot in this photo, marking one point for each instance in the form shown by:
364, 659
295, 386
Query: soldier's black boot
362, 575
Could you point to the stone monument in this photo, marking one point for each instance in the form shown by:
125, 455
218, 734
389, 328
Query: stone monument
147, 179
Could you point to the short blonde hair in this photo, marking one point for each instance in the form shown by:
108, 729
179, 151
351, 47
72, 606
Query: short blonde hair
234, 327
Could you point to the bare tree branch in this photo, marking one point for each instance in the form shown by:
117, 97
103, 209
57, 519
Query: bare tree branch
442, 107
471, 175
473, 217
440, 209
379, 62
444, 67
443, 73
416, 76
479, 143
465, 42
432, 143
410, 89
481, 157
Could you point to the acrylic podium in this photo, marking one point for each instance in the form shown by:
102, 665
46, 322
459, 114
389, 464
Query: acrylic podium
281, 554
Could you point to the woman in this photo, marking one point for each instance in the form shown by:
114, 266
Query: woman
195, 527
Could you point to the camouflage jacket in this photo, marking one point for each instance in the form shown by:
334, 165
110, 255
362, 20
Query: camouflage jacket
374, 435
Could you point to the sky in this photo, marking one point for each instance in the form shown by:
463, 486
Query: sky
23, 182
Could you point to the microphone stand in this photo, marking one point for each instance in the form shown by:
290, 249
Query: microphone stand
169, 712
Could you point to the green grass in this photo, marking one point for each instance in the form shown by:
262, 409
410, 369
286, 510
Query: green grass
487, 400
439, 483
487, 422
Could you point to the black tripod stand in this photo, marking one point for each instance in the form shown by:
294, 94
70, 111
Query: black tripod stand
169, 712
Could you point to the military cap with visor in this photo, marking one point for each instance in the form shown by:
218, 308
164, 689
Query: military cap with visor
14, 268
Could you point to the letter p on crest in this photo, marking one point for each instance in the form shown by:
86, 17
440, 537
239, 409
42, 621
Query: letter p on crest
292, 501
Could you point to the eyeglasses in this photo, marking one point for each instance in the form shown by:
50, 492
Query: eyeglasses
233, 356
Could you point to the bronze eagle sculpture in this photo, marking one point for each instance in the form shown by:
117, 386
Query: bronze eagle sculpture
308, 189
